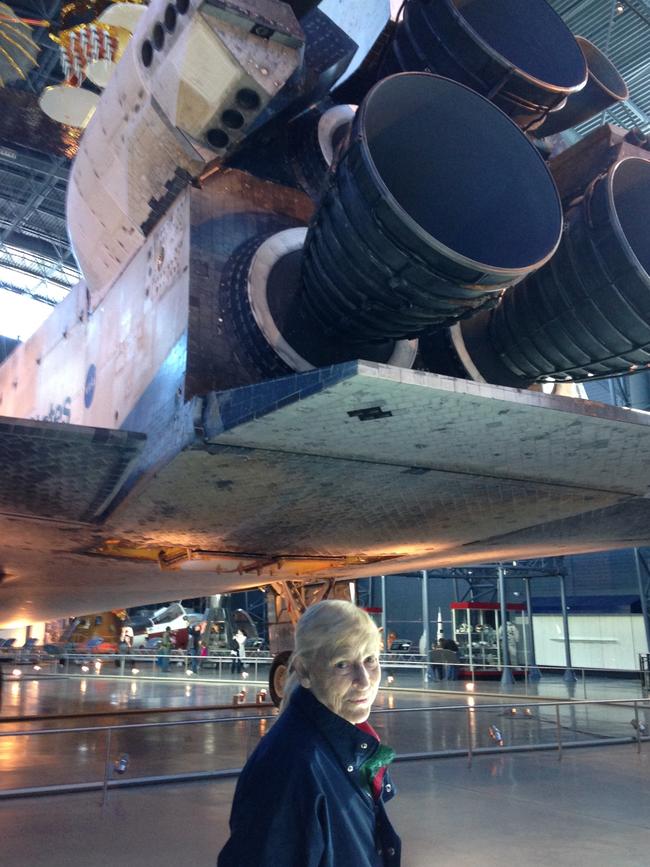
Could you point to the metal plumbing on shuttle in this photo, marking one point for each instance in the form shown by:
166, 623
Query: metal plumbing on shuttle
521, 55
605, 87
586, 313
435, 203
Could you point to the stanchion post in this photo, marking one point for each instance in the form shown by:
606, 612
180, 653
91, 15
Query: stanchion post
107, 766
469, 737
526, 679
384, 627
507, 678
426, 637
534, 673
643, 595
637, 727
569, 676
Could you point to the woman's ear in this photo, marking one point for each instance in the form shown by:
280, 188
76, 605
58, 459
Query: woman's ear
301, 672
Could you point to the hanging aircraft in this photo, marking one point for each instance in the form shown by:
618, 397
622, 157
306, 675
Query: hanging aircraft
310, 339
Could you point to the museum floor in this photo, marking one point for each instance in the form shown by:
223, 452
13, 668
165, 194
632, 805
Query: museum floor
568, 807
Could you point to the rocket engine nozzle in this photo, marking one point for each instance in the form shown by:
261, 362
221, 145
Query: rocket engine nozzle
584, 314
434, 203
437, 201
522, 56
605, 87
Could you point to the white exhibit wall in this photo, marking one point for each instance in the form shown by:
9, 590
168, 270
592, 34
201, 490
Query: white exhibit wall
605, 641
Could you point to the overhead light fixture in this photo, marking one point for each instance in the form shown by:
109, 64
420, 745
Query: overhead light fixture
619, 8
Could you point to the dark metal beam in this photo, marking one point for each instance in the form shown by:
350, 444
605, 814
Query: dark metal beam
33, 202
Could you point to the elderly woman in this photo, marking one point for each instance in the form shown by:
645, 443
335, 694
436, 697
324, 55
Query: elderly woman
312, 793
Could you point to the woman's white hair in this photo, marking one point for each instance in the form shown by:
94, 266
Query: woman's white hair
322, 631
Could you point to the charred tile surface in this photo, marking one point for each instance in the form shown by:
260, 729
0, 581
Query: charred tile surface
61, 471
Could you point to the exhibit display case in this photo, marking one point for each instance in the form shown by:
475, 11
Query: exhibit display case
477, 630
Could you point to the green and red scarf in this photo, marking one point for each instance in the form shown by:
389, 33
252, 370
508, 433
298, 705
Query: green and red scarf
373, 769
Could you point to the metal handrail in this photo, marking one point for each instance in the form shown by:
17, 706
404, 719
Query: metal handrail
126, 711
406, 658
394, 660
379, 710
470, 751
129, 726
375, 711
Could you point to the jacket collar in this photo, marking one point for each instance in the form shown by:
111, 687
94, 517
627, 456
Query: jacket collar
351, 745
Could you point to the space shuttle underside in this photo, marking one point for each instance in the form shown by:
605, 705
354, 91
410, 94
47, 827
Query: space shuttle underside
278, 286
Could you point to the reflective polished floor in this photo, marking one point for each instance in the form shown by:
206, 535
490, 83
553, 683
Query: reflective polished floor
589, 808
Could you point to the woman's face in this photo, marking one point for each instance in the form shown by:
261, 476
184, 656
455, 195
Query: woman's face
347, 683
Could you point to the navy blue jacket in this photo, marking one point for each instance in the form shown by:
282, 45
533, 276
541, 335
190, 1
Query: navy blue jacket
300, 800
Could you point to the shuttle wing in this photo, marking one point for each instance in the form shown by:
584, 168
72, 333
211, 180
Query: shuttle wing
386, 463
62, 471
356, 469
